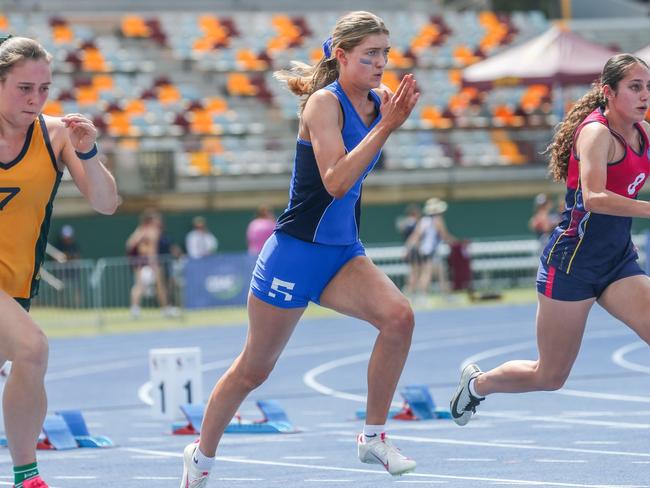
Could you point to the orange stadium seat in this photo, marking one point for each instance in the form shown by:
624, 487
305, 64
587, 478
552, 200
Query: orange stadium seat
397, 59
54, 108
93, 60
62, 34
201, 122
508, 149
200, 162
119, 124
87, 95
103, 82
168, 94
4, 23
239, 84
134, 26
249, 61
432, 115
216, 105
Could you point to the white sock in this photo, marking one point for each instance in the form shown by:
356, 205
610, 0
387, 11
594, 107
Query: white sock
371, 431
201, 461
472, 390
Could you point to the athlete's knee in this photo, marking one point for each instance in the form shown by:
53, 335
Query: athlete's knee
251, 376
32, 351
551, 380
399, 320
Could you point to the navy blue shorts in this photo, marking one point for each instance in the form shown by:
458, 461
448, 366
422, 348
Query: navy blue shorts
558, 285
290, 273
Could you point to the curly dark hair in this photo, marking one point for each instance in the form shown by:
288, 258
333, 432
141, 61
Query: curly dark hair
560, 148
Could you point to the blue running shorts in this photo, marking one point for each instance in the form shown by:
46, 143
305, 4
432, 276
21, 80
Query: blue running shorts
558, 285
290, 273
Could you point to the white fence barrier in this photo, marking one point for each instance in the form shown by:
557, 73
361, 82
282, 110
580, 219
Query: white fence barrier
83, 292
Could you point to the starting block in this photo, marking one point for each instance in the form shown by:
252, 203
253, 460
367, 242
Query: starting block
274, 421
56, 434
194, 415
78, 428
418, 405
66, 430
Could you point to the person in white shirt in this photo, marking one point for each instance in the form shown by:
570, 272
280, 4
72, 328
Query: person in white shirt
200, 242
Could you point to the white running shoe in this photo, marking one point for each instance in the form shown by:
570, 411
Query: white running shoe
463, 403
379, 450
193, 477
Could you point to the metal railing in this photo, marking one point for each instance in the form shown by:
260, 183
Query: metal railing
82, 293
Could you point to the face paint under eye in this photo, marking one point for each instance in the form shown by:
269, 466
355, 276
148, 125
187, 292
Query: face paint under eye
366, 61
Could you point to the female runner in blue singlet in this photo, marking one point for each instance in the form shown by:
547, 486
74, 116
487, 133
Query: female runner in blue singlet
315, 253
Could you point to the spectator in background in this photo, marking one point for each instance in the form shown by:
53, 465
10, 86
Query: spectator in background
70, 272
67, 244
405, 225
200, 242
542, 222
143, 247
259, 230
424, 241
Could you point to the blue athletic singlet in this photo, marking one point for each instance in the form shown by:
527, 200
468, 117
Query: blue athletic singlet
595, 249
317, 234
313, 214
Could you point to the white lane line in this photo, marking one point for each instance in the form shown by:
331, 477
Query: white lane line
559, 420
569, 461
384, 473
87, 370
619, 357
433, 440
427, 482
309, 378
515, 441
602, 396
144, 391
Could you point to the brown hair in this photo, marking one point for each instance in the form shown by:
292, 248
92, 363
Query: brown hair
14, 50
350, 31
560, 148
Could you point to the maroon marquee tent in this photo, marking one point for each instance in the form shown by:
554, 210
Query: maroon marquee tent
557, 56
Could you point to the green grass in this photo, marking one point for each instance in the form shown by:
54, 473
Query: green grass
75, 323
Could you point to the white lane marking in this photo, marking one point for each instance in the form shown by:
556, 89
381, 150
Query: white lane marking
309, 378
576, 461
433, 440
87, 370
428, 482
384, 473
559, 420
515, 441
602, 396
619, 357
144, 391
